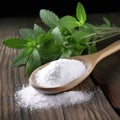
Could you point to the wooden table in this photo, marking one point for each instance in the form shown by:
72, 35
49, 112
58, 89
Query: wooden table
104, 81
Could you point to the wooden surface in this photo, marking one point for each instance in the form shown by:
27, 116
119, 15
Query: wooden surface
104, 81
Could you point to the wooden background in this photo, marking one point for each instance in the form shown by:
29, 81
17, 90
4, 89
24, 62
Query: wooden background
104, 80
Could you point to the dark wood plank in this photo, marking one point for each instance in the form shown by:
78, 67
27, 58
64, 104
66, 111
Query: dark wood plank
107, 75
112, 80
107, 72
97, 108
11, 79
9, 76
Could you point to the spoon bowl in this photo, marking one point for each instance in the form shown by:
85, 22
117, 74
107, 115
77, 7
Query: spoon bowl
90, 62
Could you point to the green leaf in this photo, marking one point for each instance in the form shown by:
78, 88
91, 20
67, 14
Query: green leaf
31, 43
49, 51
78, 47
26, 33
80, 35
57, 35
43, 39
38, 29
49, 18
80, 14
33, 62
68, 22
107, 22
15, 43
66, 53
92, 48
22, 57
48, 48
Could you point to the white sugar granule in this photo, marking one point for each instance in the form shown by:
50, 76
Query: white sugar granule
60, 72
28, 97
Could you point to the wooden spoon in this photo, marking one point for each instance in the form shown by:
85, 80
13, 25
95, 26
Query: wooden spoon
90, 62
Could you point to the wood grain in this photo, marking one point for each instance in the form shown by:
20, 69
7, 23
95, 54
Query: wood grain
107, 75
12, 79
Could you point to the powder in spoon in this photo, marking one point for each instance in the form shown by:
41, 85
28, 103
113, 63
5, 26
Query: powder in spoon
60, 72
28, 97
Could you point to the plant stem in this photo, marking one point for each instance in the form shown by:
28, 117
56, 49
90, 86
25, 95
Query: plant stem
104, 38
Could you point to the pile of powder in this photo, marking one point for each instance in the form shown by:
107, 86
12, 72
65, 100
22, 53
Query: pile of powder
28, 97
60, 72
57, 73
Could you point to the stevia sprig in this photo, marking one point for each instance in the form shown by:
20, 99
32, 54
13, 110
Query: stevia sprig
66, 36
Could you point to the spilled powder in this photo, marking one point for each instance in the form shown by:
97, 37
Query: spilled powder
28, 97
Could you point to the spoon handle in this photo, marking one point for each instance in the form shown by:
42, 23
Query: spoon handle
114, 47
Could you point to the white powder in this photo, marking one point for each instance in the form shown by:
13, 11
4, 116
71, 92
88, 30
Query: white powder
60, 72
28, 97
57, 73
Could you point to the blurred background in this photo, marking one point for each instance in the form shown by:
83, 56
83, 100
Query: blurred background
60, 7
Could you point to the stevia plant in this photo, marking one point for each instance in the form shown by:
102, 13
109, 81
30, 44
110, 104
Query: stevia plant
66, 36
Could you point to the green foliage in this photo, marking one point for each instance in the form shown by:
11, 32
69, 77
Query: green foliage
33, 62
67, 36
15, 43
22, 58
81, 14
49, 18
68, 22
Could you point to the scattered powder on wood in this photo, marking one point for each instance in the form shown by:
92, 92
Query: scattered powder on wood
28, 97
